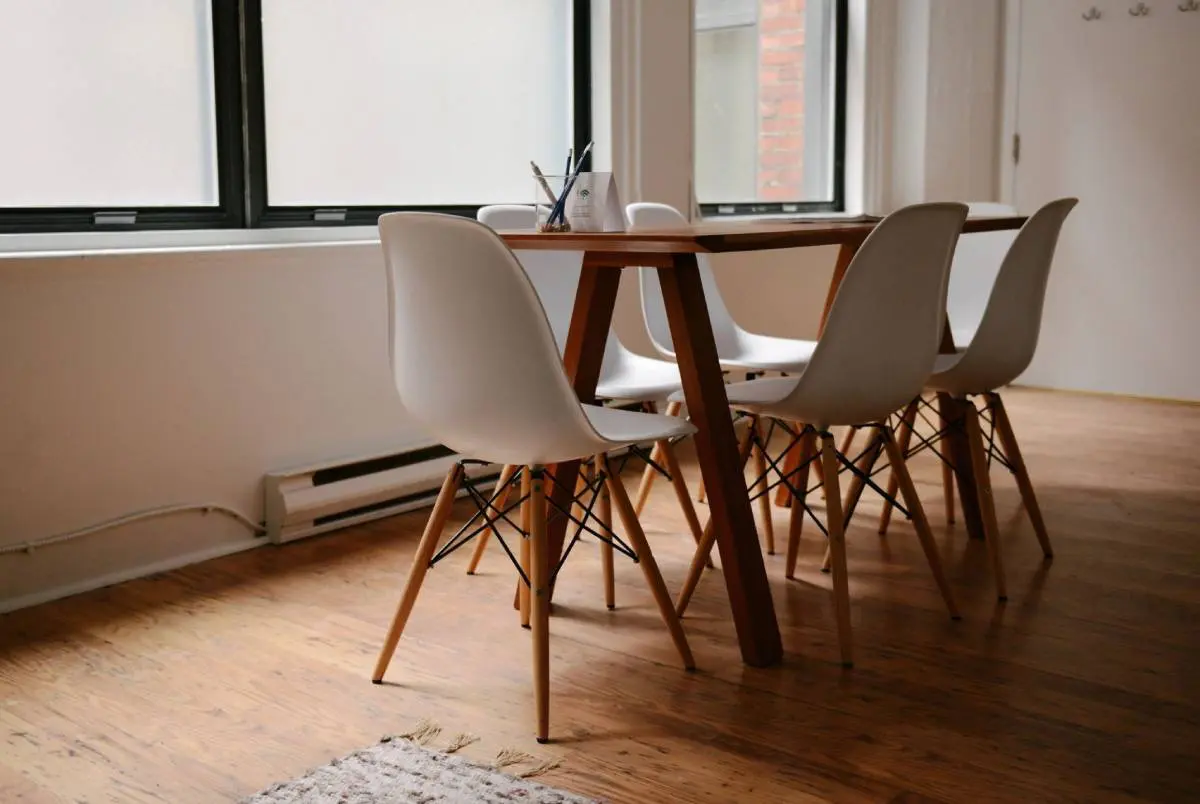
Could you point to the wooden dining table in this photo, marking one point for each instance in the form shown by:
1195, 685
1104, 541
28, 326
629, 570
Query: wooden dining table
672, 252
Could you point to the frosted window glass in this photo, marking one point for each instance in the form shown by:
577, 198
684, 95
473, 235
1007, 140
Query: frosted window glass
107, 103
414, 102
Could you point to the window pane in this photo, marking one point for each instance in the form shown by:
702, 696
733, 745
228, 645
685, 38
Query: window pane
107, 104
385, 103
764, 100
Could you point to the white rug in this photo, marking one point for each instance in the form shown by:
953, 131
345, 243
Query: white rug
398, 771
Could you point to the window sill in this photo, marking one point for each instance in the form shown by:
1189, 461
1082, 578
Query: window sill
782, 217
59, 244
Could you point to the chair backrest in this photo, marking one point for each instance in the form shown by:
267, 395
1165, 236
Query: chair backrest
472, 352
885, 325
1007, 336
555, 277
554, 274
976, 263
645, 215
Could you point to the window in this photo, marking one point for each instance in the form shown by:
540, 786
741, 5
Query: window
437, 104
770, 105
115, 115
206, 113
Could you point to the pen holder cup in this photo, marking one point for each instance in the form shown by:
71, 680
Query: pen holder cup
547, 190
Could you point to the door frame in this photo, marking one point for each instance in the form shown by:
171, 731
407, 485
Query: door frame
1008, 166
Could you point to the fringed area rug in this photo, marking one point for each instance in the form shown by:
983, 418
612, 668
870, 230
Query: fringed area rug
402, 769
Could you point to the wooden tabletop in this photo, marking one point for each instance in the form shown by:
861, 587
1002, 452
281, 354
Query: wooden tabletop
714, 238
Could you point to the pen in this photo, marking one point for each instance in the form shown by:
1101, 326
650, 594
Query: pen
570, 183
537, 171
560, 202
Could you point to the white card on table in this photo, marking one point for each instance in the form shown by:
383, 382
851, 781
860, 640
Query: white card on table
594, 204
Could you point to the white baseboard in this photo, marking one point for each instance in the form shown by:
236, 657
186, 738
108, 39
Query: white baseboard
128, 574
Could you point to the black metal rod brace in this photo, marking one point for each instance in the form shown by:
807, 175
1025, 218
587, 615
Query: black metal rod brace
612, 539
587, 514
482, 506
647, 457
854, 470
784, 479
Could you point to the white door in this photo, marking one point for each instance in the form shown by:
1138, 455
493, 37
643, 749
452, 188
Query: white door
1109, 111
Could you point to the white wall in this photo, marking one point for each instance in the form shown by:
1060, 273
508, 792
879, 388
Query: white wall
1109, 111
131, 381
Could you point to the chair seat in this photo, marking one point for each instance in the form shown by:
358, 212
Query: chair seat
756, 395
639, 379
625, 427
768, 353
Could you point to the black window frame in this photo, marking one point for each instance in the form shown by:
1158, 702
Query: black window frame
229, 211
243, 199
841, 43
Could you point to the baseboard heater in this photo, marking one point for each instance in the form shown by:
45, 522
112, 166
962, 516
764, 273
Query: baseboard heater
323, 497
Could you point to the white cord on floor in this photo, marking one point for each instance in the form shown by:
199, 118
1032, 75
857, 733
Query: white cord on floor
166, 510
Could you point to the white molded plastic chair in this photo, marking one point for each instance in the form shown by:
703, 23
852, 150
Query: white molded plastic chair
880, 339
1001, 349
475, 363
737, 348
624, 375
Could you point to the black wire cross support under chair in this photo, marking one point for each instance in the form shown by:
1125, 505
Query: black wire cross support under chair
659, 460
590, 512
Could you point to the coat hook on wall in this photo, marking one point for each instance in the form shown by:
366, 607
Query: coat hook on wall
1140, 10
1094, 14
1190, 5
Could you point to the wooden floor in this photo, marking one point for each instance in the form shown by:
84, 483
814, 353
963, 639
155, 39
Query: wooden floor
211, 682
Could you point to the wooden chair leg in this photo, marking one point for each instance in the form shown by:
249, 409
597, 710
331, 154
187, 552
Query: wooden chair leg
866, 464
539, 581
764, 500
808, 449
837, 548
908, 422
416, 575
983, 487
708, 538
848, 439
637, 539
1008, 440
948, 478
526, 521
948, 490
499, 498
790, 461
604, 515
577, 508
920, 522
649, 474
701, 496
671, 464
